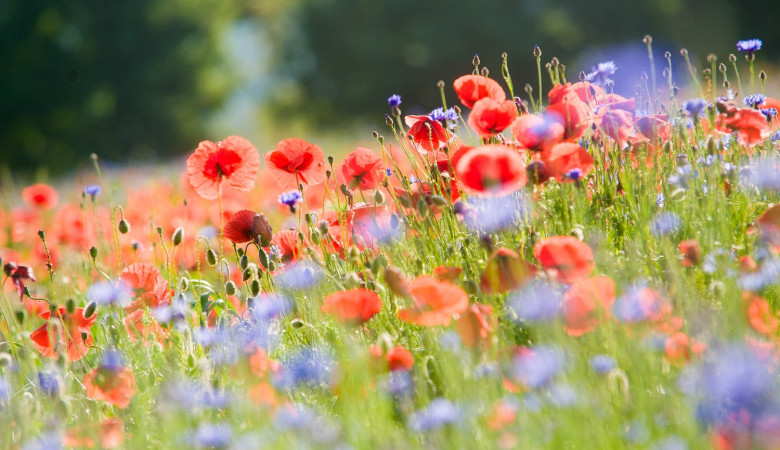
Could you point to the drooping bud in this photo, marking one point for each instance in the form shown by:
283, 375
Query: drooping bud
178, 236
254, 288
230, 288
211, 257
93, 252
90, 310
261, 227
124, 226
243, 262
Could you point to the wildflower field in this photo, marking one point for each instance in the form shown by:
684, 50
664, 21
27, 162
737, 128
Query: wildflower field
547, 266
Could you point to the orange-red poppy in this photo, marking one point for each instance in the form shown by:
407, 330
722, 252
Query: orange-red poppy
110, 434
490, 117
363, 169
691, 252
399, 359
352, 306
70, 330
151, 289
751, 125
492, 168
426, 132
566, 158
476, 325
505, 271
680, 347
537, 132
112, 385
447, 273
473, 88
760, 315
288, 245
586, 302
233, 160
40, 195
567, 107
294, 162
615, 123
435, 302
248, 226
565, 257
655, 127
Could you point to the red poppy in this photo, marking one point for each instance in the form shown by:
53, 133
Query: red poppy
234, 160
655, 127
567, 107
112, 385
473, 88
492, 168
246, 226
680, 347
110, 434
751, 126
536, 131
146, 330
566, 159
447, 273
691, 252
151, 289
586, 302
353, 306
615, 123
399, 359
490, 117
426, 132
18, 274
40, 196
67, 330
476, 325
288, 245
260, 363
565, 257
760, 314
362, 169
435, 302
506, 271
294, 162
769, 225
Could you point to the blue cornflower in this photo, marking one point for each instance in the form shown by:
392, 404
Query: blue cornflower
290, 199
574, 174
601, 73
665, 223
394, 101
49, 382
441, 115
695, 106
438, 413
537, 367
562, 395
389, 172
660, 199
750, 45
299, 275
110, 293
213, 435
754, 100
775, 137
539, 301
112, 360
268, 307
399, 384
602, 364
310, 367
769, 112
92, 190
489, 214
294, 417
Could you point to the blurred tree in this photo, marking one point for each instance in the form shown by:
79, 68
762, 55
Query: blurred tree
127, 80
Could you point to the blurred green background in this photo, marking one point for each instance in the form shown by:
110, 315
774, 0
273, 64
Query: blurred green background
143, 81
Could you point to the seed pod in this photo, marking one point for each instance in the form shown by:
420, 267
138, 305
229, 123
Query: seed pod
438, 200
93, 252
246, 275
379, 197
124, 226
422, 208
263, 256
90, 310
211, 257
254, 288
70, 306
178, 236
184, 283
243, 262
314, 235
230, 288
20, 315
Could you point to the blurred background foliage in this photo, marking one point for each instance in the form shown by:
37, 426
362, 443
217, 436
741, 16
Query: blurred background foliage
144, 81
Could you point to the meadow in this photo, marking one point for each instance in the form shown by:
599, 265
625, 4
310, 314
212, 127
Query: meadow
542, 265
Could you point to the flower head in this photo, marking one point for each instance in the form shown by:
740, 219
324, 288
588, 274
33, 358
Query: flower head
233, 160
294, 162
695, 107
92, 190
749, 45
754, 100
601, 73
394, 101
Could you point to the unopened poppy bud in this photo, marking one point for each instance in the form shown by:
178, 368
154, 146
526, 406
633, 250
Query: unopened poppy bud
677, 195
726, 84
230, 288
528, 88
762, 75
404, 201
124, 226
70, 306
577, 232
297, 323
323, 227
379, 198
548, 66
647, 39
159, 231
20, 315
90, 310
178, 236
240, 251
93, 252
184, 283
211, 257
388, 120
440, 84
422, 208
272, 265
263, 257
330, 159
254, 288
84, 336
27, 292
667, 148
243, 262
314, 235
261, 227
438, 200
537, 51
246, 274
667, 55
485, 72
41, 234
732, 58
712, 146
475, 60
354, 253
684, 52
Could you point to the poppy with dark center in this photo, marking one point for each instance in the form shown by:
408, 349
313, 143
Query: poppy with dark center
354, 306
399, 359
69, 330
150, 288
294, 162
566, 157
566, 258
506, 271
363, 169
19, 273
248, 226
111, 382
473, 88
751, 126
233, 160
435, 302
40, 196
426, 132
586, 303
492, 168
490, 117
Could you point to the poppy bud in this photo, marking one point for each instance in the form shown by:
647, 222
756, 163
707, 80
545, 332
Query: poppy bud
246, 274
240, 252
379, 198
330, 159
178, 236
404, 201
297, 323
90, 310
41, 234
647, 39
93, 252
124, 226
762, 75
577, 232
722, 67
70, 306
422, 208
726, 84
184, 283
254, 288
683, 52
211, 257
438, 200
159, 231
230, 288
261, 227
27, 292
667, 55
84, 336
314, 235
712, 146
475, 60
388, 120
263, 256
243, 262
537, 51
20, 316
323, 227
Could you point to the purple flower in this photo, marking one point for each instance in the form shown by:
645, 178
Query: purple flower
438, 413
50, 383
602, 364
539, 301
749, 45
754, 100
310, 367
213, 435
769, 112
563, 395
290, 198
92, 190
601, 73
300, 275
110, 293
394, 101
665, 223
695, 106
539, 365
441, 115
294, 417
399, 384
112, 361
490, 214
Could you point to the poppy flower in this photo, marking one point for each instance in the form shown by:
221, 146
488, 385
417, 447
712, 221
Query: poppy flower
751, 126
655, 127
585, 302
568, 162
760, 314
680, 347
248, 226
363, 169
567, 108
399, 359
65, 329
112, 384
565, 257
473, 88
476, 324
505, 271
691, 252
110, 434
287, 244
19, 273
40, 195
490, 117
426, 132
294, 162
435, 302
234, 160
536, 131
616, 124
447, 273
769, 225
150, 288
353, 306
492, 168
